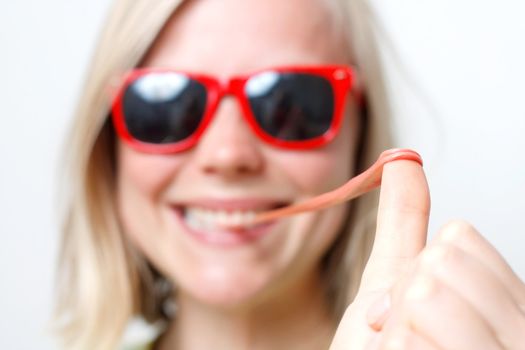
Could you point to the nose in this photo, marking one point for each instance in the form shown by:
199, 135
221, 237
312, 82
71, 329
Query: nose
228, 147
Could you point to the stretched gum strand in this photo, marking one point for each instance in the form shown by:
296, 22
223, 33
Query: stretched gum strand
356, 186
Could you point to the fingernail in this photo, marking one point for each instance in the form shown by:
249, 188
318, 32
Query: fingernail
378, 313
422, 287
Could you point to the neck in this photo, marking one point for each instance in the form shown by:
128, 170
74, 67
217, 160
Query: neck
295, 319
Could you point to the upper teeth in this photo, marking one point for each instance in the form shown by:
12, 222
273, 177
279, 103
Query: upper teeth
199, 218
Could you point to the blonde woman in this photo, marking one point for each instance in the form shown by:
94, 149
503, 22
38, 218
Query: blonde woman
193, 117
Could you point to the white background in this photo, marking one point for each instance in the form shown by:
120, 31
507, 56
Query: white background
462, 106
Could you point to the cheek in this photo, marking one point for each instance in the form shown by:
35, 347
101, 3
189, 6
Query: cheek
316, 173
313, 173
145, 173
141, 181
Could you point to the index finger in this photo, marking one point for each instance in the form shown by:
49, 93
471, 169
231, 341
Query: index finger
402, 222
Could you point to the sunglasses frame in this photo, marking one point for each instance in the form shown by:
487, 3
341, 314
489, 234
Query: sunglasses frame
341, 78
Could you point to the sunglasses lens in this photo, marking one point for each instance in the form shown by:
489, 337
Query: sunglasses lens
163, 108
291, 106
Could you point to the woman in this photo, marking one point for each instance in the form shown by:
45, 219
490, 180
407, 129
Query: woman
153, 189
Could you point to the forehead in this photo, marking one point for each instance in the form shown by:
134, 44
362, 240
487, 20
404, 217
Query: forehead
237, 36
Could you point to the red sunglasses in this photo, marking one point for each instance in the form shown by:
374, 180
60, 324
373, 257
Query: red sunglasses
167, 111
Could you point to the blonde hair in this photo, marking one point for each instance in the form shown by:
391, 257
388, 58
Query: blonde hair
102, 280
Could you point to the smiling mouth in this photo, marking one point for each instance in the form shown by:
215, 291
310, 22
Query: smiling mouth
225, 217
205, 219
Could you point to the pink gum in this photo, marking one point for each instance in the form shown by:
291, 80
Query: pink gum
356, 186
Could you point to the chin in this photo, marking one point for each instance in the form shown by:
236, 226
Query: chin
225, 289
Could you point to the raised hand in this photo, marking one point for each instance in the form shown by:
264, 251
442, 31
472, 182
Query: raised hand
404, 207
459, 294
455, 293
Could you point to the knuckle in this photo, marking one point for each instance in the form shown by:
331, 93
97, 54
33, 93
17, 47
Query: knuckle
456, 231
422, 286
441, 254
396, 341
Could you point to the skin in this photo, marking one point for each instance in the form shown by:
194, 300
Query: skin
267, 294
456, 292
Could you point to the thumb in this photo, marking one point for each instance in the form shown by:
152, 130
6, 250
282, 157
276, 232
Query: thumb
402, 222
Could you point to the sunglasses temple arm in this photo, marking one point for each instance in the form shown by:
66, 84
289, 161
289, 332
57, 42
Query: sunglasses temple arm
355, 187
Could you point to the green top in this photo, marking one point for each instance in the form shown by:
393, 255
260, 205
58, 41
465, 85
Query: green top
147, 346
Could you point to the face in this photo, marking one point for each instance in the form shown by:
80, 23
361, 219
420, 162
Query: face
171, 205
